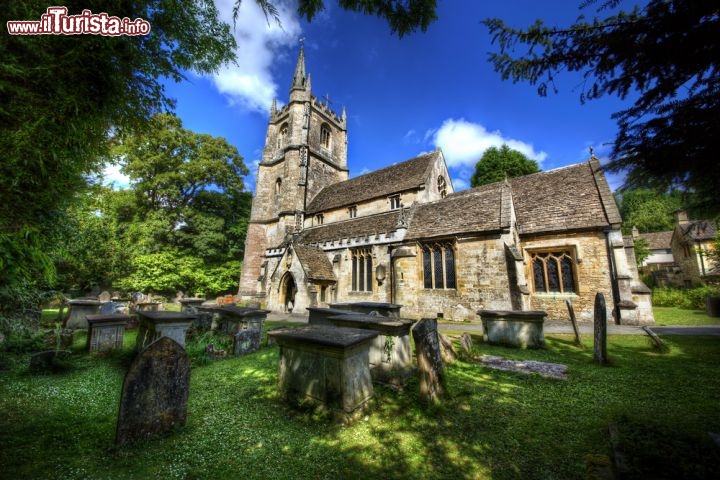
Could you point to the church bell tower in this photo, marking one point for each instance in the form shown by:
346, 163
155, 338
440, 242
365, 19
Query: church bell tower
305, 150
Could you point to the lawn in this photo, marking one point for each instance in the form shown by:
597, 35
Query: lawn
680, 316
492, 424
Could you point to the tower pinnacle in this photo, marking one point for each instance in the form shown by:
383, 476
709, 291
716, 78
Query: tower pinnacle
299, 77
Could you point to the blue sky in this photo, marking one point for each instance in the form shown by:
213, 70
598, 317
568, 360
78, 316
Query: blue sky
402, 96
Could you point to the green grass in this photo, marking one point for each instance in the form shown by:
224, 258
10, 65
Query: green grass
680, 316
492, 424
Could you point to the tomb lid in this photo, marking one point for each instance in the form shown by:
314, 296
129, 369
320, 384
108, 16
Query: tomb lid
165, 316
367, 304
338, 311
84, 301
512, 313
324, 335
108, 317
366, 318
191, 300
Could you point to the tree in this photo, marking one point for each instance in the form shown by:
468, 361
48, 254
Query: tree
647, 209
403, 16
498, 164
61, 96
665, 53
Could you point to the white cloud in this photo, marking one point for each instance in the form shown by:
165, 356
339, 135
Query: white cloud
463, 142
460, 184
250, 83
112, 176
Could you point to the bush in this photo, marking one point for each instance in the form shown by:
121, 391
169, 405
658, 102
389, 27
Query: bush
690, 299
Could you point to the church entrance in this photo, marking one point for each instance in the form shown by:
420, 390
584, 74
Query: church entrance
288, 290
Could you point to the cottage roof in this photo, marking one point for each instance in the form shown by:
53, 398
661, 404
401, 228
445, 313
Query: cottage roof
479, 209
657, 240
386, 181
355, 227
575, 197
699, 230
315, 263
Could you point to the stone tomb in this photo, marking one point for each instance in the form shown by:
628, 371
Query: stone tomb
390, 353
153, 325
106, 332
245, 325
79, 309
321, 316
190, 305
523, 329
154, 393
325, 366
384, 309
147, 306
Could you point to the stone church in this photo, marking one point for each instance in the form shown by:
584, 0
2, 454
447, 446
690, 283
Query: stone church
402, 235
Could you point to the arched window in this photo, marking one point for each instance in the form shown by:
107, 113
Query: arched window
278, 185
362, 270
439, 265
553, 271
325, 136
282, 136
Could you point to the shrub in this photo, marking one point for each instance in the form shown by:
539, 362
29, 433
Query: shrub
690, 299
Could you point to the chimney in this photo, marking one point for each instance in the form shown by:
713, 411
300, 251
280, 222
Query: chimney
681, 217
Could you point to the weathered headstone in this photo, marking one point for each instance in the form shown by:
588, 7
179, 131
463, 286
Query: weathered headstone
466, 344
104, 296
447, 349
600, 337
155, 392
246, 341
571, 312
429, 359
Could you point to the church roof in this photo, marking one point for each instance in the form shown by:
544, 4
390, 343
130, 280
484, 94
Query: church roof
356, 227
397, 178
482, 209
576, 197
315, 263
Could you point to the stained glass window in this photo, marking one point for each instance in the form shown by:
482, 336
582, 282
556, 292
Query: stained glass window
439, 266
553, 271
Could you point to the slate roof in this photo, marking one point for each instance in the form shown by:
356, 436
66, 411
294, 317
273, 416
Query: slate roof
657, 240
480, 209
315, 262
386, 181
576, 197
356, 227
699, 230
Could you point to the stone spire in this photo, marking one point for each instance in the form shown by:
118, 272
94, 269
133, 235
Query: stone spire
299, 79
273, 108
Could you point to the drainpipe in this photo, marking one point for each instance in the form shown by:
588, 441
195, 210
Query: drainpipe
613, 278
392, 277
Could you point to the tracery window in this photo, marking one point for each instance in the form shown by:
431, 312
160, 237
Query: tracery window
325, 136
362, 270
439, 265
554, 271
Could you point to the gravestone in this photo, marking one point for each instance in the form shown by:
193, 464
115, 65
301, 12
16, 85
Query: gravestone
466, 345
104, 297
429, 359
571, 312
155, 392
246, 341
600, 330
447, 349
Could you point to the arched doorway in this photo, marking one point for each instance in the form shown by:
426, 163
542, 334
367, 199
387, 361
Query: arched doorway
288, 289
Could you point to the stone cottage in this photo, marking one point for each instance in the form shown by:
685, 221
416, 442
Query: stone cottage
691, 241
402, 235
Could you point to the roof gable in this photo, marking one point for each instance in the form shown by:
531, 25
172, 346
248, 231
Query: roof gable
314, 262
576, 197
397, 178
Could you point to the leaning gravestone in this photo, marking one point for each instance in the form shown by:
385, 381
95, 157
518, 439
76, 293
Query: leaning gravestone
600, 338
155, 392
571, 312
466, 345
447, 349
429, 359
